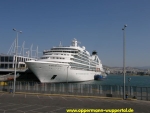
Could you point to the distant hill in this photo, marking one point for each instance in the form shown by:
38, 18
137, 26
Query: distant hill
141, 68
144, 67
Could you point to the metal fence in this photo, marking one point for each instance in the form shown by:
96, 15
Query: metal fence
140, 93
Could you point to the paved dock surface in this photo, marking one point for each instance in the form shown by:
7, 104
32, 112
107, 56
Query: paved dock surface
23, 103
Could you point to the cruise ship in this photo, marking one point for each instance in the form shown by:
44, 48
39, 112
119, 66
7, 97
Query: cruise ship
67, 64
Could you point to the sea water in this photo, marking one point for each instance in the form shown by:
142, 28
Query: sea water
136, 80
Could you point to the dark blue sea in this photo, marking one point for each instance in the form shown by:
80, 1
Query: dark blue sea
135, 80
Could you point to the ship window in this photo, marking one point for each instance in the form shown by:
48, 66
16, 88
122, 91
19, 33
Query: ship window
53, 77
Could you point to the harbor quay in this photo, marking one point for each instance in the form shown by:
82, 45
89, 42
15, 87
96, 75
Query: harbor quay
25, 102
77, 89
36, 97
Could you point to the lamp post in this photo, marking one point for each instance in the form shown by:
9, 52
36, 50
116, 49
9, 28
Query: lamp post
16, 52
124, 61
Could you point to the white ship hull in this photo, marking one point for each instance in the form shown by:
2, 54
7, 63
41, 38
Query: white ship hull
46, 70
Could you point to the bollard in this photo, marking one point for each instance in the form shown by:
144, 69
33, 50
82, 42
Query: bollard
126, 96
11, 90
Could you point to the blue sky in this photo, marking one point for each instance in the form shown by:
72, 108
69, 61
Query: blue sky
97, 24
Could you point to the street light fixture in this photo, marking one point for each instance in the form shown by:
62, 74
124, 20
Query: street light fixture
16, 52
124, 61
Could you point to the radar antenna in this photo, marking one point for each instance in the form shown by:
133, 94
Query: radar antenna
60, 45
75, 42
